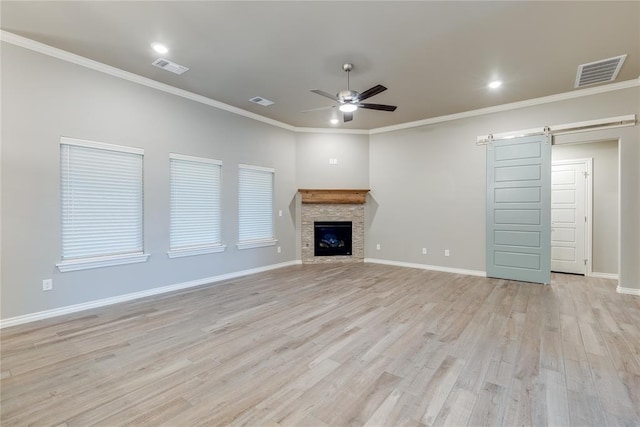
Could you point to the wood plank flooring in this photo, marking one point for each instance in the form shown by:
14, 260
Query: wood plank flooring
335, 345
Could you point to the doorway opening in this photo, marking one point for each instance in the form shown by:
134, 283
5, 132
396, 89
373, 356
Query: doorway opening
593, 242
571, 194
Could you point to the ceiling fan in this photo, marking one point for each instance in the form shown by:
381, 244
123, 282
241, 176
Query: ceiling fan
350, 100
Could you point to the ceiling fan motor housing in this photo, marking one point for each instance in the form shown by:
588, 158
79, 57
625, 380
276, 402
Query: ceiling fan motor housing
347, 96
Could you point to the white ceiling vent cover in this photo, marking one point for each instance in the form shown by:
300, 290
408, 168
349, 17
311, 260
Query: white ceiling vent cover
599, 71
170, 66
262, 101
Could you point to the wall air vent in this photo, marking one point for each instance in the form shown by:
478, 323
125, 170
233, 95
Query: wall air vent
170, 66
261, 101
599, 71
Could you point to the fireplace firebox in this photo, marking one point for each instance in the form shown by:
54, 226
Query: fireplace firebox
332, 238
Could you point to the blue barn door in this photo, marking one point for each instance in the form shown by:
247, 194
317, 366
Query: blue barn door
519, 209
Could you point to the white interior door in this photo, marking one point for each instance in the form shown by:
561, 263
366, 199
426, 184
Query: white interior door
569, 216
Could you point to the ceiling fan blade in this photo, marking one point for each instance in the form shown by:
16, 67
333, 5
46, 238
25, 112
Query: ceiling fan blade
371, 92
318, 109
380, 107
347, 117
325, 94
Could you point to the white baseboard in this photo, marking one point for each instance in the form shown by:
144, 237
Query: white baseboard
41, 315
612, 276
427, 267
628, 291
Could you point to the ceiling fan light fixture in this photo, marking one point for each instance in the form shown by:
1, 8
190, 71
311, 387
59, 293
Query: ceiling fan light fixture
348, 108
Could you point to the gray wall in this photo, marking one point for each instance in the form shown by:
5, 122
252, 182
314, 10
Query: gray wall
427, 191
313, 151
428, 183
44, 98
605, 199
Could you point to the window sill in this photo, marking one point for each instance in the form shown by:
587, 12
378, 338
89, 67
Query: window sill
179, 253
107, 261
250, 244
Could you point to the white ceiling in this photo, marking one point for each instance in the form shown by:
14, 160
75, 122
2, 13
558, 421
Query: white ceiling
435, 58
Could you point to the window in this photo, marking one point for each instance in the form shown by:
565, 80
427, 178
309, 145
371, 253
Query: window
255, 207
195, 206
101, 201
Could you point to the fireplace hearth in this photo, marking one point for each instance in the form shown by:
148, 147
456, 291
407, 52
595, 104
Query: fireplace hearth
332, 238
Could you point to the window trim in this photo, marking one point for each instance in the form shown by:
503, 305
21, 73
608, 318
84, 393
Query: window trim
187, 158
104, 261
258, 243
202, 249
76, 264
249, 244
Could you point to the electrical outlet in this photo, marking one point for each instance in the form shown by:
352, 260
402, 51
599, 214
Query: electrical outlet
47, 284
446, 252
424, 251
279, 249
378, 246
280, 212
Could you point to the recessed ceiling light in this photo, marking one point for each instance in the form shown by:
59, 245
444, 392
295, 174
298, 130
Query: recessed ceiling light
334, 121
495, 84
160, 48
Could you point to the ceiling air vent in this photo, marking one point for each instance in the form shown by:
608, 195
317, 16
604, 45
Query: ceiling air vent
170, 66
261, 101
599, 71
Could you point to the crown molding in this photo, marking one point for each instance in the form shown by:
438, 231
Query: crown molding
135, 78
512, 106
332, 130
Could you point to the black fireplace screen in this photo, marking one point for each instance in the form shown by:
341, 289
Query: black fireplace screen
332, 238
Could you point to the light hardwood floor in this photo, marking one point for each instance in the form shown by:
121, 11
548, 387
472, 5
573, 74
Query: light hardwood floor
336, 345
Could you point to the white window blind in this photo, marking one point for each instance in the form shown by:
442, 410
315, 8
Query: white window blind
195, 205
255, 207
101, 204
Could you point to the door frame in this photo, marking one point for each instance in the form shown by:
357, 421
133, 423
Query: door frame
605, 129
588, 162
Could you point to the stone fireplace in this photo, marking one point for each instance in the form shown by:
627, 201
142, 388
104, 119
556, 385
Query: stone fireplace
340, 209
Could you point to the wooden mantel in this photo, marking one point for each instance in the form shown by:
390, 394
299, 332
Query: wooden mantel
342, 197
